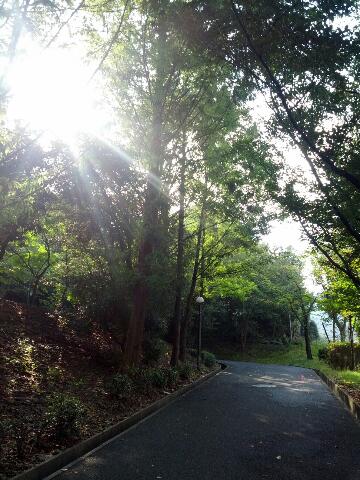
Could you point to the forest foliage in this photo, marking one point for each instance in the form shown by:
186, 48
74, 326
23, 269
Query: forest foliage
127, 228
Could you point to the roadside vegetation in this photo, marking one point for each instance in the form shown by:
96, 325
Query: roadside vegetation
62, 383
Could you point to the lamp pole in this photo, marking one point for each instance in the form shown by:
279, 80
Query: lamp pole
199, 301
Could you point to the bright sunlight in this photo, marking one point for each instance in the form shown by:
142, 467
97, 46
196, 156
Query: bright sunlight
50, 91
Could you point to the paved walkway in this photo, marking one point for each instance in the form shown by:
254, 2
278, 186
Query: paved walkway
249, 422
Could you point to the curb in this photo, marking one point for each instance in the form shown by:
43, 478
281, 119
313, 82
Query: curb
341, 394
73, 453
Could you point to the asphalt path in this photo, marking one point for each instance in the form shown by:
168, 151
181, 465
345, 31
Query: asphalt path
249, 422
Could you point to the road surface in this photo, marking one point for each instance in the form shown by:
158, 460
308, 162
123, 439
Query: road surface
249, 422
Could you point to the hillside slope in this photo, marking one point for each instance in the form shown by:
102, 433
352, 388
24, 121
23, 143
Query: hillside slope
53, 367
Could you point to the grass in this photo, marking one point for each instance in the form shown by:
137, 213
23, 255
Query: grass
293, 354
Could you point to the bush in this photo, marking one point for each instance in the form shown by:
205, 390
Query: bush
339, 355
120, 386
153, 350
208, 359
54, 374
158, 377
64, 415
323, 353
22, 433
147, 378
141, 379
171, 376
185, 371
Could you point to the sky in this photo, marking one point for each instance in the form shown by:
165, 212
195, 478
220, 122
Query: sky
285, 234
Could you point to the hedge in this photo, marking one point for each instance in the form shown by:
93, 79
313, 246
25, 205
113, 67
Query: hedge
338, 355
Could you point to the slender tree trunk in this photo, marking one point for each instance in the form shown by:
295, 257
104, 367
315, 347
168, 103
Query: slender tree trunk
189, 300
201, 306
327, 336
290, 329
342, 331
351, 335
202, 262
2, 251
176, 327
333, 327
243, 335
307, 339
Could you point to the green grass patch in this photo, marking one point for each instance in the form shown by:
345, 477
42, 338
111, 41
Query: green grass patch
294, 355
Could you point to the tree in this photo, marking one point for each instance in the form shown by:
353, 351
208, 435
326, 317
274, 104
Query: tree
339, 298
313, 96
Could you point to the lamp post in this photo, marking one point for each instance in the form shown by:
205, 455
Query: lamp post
199, 301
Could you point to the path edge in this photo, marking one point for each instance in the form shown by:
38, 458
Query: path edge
49, 467
341, 394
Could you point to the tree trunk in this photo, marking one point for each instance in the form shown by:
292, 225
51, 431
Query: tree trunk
189, 300
307, 339
342, 331
342, 328
201, 306
290, 329
135, 333
243, 333
351, 335
134, 337
326, 334
156, 156
176, 326
2, 251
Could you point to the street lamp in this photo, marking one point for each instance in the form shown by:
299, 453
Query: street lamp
199, 301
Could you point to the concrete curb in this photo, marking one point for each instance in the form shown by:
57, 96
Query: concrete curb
71, 454
341, 394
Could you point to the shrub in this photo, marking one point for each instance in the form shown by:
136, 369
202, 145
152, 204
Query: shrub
339, 355
22, 433
171, 376
147, 378
141, 379
153, 350
120, 386
54, 374
158, 377
185, 371
64, 415
323, 353
208, 359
